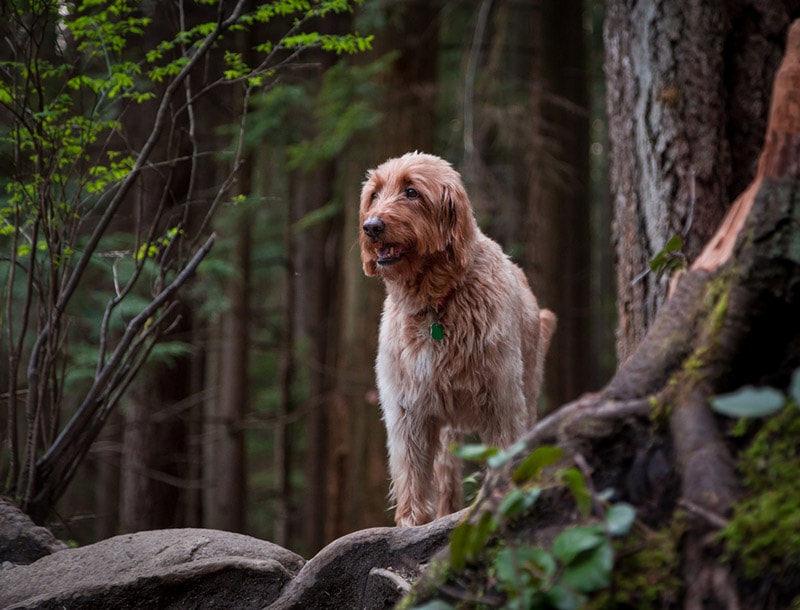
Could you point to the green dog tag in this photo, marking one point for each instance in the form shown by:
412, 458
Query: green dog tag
437, 331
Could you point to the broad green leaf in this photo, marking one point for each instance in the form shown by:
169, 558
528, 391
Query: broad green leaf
458, 545
573, 541
468, 539
501, 457
620, 518
531, 567
673, 244
577, 485
475, 452
749, 401
539, 459
479, 534
591, 569
518, 501
561, 598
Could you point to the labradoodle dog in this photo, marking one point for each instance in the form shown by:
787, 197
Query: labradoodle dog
462, 339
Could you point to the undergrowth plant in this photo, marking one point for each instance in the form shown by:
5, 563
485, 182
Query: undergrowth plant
562, 575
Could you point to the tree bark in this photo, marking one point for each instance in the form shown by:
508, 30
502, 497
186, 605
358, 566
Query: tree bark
686, 106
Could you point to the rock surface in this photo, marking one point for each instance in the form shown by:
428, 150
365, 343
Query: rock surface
21, 540
179, 568
200, 568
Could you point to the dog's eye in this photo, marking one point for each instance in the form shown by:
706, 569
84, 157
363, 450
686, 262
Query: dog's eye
412, 193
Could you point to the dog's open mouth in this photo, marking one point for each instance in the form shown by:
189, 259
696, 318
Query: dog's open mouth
388, 254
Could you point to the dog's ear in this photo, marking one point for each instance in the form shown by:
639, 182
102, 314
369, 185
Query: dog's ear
369, 266
368, 263
460, 222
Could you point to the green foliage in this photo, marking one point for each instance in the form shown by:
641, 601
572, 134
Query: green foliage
764, 533
580, 560
341, 108
670, 258
76, 270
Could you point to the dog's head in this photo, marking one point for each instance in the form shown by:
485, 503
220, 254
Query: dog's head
414, 209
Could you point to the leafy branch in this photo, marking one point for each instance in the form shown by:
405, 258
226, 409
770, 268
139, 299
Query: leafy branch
68, 80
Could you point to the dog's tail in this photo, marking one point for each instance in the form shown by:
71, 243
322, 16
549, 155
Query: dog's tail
547, 328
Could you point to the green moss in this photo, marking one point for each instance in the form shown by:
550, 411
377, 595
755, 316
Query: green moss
646, 573
764, 533
718, 311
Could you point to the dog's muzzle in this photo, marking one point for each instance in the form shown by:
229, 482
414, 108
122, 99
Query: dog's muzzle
387, 254
373, 228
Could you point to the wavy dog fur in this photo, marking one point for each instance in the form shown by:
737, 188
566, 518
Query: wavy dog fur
420, 236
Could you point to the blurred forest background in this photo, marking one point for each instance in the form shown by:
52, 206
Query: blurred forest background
255, 410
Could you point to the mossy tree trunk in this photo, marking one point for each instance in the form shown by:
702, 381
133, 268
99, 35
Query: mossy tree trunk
650, 434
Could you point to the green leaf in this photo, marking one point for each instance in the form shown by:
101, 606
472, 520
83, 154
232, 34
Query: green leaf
620, 518
530, 567
673, 244
531, 467
670, 257
518, 501
577, 485
561, 598
794, 387
475, 452
591, 569
479, 534
458, 545
749, 401
501, 457
573, 541
468, 539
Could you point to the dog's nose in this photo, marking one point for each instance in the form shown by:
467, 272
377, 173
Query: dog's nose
373, 227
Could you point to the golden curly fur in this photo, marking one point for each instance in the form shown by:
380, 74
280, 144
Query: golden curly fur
462, 339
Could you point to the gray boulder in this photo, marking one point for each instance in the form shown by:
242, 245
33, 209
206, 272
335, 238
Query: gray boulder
178, 568
21, 540
198, 568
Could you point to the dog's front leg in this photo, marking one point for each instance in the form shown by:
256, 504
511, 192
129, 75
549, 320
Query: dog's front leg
412, 446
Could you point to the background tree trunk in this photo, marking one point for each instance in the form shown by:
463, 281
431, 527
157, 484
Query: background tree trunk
687, 102
227, 404
558, 238
315, 312
357, 478
526, 164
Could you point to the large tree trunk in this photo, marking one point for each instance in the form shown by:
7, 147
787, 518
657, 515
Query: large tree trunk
687, 97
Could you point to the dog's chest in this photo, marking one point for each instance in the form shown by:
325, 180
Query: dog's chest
433, 352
